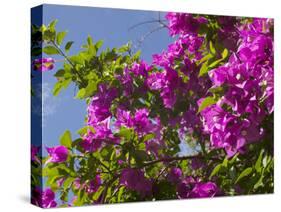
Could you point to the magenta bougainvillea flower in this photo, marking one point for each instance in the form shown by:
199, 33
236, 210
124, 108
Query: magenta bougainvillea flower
140, 121
99, 107
77, 183
60, 181
166, 82
102, 135
94, 184
34, 153
202, 190
138, 70
192, 187
175, 175
183, 23
99, 118
172, 122
43, 64
248, 77
44, 199
57, 154
134, 179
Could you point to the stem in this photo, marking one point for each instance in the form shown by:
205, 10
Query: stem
115, 177
70, 62
148, 22
103, 165
104, 193
160, 173
175, 159
115, 192
148, 34
202, 148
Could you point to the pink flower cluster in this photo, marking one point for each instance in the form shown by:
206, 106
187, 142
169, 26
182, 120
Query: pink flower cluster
246, 81
135, 180
43, 64
191, 187
236, 120
44, 199
57, 154
162, 100
99, 117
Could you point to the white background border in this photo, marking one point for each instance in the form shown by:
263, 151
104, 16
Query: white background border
15, 102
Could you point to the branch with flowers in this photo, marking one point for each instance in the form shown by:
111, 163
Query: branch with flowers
211, 90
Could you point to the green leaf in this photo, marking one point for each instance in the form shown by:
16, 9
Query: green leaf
245, 173
120, 194
57, 88
47, 172
214, 64
258, 164
81, 196
52, 25
269, 165
137, 55
215, 170
50, 50
60, 73
43, 28
125, 132
233, 159
216, 90
224, 54
68, 182
260, 180
98, 44
88, 91
76, 144
106, 152
81, 93
225, 162
141, 155
208, 101
212, 48
148, 137
204, 69
79, 59
84, 130
64, 198
59, 85
90, 40
125, 48
92, 51
91, 88
60, 37
66, 139
206, 58
52, 181
217, 62
49, 35
68, 46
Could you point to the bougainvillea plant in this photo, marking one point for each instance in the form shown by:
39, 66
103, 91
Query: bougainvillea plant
211, 89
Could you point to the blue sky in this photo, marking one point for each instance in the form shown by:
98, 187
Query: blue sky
111, 25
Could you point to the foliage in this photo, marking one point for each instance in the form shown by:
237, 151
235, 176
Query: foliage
211, 89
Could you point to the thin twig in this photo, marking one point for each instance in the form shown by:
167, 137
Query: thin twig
146, 22
104, 193
175, 159
140, 41
161, 23
161, 172
70, 62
